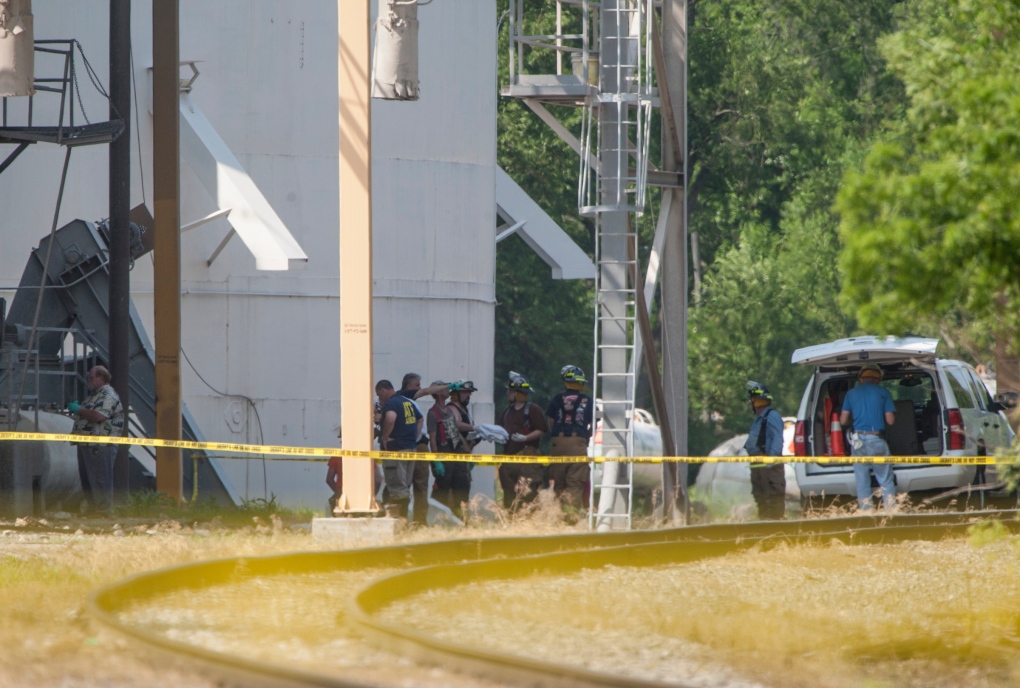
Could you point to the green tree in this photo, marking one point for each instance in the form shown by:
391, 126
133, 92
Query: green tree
542, 324
929, 223
781, 95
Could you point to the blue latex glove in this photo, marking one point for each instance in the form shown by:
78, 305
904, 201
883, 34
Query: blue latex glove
438, 469
73, 406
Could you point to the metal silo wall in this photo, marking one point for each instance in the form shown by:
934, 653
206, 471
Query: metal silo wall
268, 86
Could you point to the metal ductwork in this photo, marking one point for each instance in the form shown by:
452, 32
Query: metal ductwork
395, 62
17, 48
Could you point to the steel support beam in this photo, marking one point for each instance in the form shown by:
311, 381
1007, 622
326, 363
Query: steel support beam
356, 383
674, 259
120, 221
167, 253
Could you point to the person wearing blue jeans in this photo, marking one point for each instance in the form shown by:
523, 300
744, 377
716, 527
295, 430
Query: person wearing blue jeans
871, 407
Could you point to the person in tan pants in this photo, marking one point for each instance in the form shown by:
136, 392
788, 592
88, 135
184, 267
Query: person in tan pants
525, 424
570, 416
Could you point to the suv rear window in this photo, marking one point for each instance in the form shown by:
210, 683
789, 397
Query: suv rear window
961, 389
915, 387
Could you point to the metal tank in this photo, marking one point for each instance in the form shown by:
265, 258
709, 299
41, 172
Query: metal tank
260, 358
39, 476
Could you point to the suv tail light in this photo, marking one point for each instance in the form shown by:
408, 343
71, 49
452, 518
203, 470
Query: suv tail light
957, 436
799, 443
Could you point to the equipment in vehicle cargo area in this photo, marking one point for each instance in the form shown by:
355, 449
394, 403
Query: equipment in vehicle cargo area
942, 409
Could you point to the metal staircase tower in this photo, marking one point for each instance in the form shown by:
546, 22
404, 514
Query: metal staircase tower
612, 46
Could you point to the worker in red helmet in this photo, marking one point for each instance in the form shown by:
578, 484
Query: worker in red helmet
765, 438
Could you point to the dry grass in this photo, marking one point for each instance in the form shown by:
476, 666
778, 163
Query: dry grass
45, 579
826, 616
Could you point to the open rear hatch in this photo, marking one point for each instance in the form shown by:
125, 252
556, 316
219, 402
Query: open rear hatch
858, 350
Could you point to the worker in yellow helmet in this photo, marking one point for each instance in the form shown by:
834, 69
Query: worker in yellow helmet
765, 438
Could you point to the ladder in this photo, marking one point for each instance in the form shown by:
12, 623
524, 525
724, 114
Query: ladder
613, 382
615, 122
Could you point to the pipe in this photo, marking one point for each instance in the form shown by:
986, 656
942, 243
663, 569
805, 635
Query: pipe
120, 230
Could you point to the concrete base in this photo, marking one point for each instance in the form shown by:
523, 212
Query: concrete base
356, 531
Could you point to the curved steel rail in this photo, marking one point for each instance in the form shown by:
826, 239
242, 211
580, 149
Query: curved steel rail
443, 564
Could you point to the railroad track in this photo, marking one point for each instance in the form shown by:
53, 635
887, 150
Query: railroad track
423, 567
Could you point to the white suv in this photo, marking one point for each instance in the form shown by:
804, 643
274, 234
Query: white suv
942, 409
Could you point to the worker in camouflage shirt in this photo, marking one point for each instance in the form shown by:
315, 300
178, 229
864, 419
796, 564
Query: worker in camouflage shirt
100, 415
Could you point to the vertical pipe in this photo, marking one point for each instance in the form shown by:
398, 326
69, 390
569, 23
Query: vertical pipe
120, 210
167, 242
356, 384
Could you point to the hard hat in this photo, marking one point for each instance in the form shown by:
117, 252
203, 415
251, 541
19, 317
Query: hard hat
571, 373
756, 390
873, 368
464, 386
519, 383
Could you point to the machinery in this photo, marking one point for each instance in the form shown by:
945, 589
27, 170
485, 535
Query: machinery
48, 345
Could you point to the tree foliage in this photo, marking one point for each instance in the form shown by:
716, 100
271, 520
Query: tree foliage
542, 324
781, 95
929, 220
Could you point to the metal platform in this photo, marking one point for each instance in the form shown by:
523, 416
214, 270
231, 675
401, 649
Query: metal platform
552, 89
78, 135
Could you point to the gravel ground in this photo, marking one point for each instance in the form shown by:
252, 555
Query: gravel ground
296, 620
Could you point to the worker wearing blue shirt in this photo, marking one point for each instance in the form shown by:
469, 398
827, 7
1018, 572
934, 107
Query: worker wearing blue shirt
765, 438
871, 407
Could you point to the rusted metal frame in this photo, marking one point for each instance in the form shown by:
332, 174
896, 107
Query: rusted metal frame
651, 359
665, 102
167, 252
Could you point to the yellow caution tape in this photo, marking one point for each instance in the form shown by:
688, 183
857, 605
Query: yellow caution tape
324, 453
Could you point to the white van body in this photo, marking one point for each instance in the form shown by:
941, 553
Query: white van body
942, 409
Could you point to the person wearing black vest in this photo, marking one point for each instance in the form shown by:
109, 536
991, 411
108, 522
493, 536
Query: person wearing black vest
452, 485
765, 438
410, 388
570, 417
525, 423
